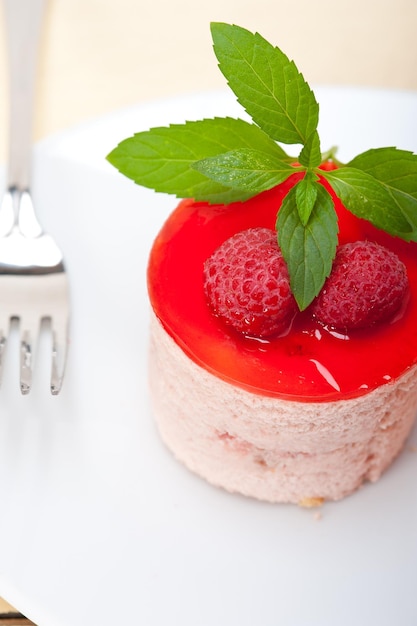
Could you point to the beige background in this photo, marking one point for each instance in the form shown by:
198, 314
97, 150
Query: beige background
5, 607
101, 55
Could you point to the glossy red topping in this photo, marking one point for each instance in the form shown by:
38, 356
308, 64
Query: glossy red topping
247, 284
309, 363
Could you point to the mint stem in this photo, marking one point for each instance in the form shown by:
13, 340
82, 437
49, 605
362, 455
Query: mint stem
330, 155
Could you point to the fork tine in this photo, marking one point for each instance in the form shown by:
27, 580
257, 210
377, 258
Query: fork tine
29, 329
59, 352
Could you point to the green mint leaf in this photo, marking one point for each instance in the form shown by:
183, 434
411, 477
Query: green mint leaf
367, 198
397, 171
308, 250
162, 158
250, 170
310, 155
306, 195
392, 166
267, 84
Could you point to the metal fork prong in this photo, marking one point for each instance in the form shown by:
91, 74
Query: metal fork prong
29, 329
59, 353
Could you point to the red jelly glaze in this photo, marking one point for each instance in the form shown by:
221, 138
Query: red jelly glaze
309, 363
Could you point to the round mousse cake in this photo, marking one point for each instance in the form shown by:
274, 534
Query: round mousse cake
302, 417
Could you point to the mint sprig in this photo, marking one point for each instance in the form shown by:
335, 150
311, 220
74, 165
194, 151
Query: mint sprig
246, 169
163, 158
367, 198
223, 160
306, 196
309, 249
310, 155
267, 84
396, 170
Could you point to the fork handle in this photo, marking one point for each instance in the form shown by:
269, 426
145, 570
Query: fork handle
23, 20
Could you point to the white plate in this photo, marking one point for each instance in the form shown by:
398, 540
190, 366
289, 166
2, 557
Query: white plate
99, 524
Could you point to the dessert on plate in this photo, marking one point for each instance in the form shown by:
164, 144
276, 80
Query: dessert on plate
283, 356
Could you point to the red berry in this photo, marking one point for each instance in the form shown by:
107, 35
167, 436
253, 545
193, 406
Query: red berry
367, 284
247, 284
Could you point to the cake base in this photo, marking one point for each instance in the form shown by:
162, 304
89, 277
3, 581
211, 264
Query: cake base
269, 448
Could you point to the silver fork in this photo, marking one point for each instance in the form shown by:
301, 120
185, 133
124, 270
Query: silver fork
33, 281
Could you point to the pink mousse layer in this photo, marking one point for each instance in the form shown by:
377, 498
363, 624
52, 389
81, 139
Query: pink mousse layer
273, 449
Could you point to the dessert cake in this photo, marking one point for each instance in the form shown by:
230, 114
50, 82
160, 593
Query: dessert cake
283, 363
305, 416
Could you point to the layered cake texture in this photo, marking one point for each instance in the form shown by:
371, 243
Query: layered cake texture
269, 448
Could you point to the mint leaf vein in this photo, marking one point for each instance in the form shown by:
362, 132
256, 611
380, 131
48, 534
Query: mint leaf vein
162, 158
267, 84
246, 169
368, 198
308, 250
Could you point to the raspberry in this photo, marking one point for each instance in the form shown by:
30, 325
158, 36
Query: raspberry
247, 285
367, 285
